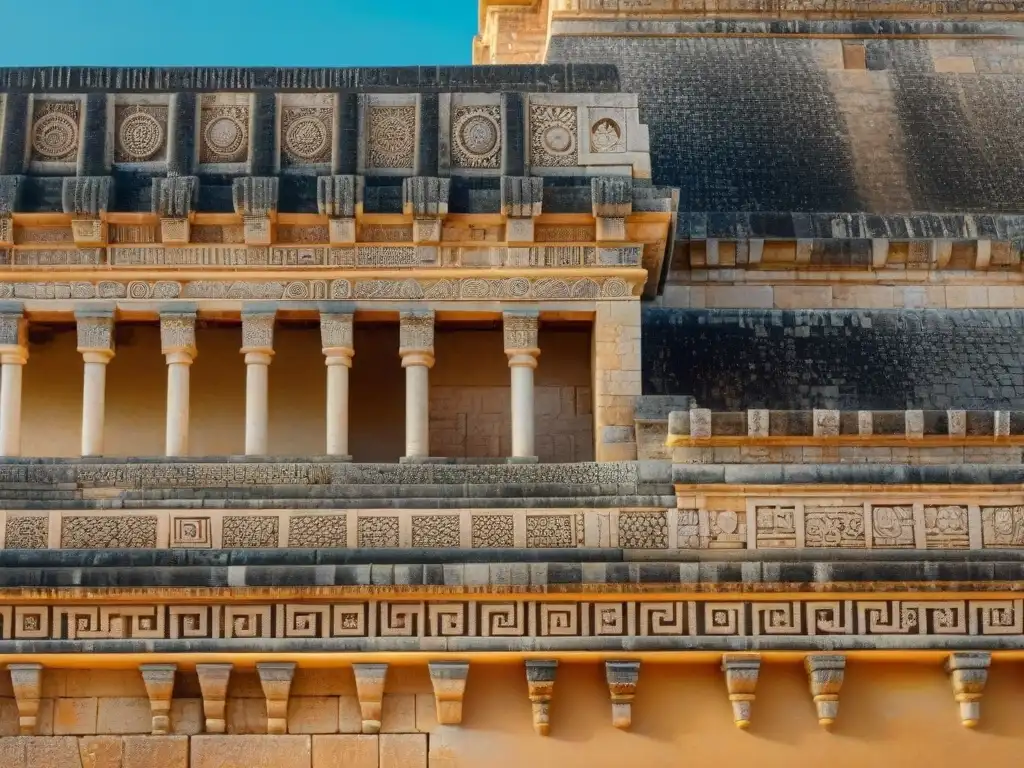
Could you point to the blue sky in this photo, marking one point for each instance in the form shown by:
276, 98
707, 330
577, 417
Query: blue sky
340, 33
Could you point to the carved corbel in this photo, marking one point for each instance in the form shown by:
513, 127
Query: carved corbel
522, 200
741, 670
612, 200
370, 691
213, 682
174, 201
825, 674
27, 681
86, 199
159, 680
10, 200
425, 198
540, 680
622, 678
340, 199
449, 682
255, 200
276, 680
968, 672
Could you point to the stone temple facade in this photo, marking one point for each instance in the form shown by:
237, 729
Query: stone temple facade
635, 396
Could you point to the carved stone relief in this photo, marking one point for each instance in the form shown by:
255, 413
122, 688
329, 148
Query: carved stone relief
476, 137
607, 130
776, 527
140, 133
435, 531
377, 531
239, 531
834, 527
554, 136
643, 530
1002, 526
318, 531
550, 531
224, 128
191, 532
307, 131
55, 130
391, 136
26, 532
102, 532
892, 527
493, 531
946, 527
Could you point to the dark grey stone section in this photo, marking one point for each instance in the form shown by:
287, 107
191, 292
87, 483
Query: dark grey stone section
337, 196
513, 146
550, 78
11, 188
833, 474
731, 360
745, 124
181, 144
346, 158
255, 196
92, 151
425, 195
263, 146
14, 127
428, 122
522, 196
612, 196
175, 196
783, 27
86, 195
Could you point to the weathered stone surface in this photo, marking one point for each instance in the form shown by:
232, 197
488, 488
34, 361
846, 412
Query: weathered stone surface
156, 752
313, 714
53, 751
399, 713
349, 751
251, 752
75, 716
407, 750
101, 751
124, 715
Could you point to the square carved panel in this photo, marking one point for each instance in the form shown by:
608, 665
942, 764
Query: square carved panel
224, 129
140, 133
307, 130
476, 136
391, 137
56, 130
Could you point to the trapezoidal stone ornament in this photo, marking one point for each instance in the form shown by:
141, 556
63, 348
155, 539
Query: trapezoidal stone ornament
825, 674
741, 671
540, 680
622, 677
968, 672
449, 682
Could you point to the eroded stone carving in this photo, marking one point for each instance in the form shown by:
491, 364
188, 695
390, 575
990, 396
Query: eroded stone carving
102, 532
377, 531
825, 674
307, 133
370, 691
741, 671
540, 680
1002, 526
391, 132
892, 527
946, 527
520, 331
449, 682
776, 527
416, 332
968, 672
622, 677
318, 531
549, 531
26, 532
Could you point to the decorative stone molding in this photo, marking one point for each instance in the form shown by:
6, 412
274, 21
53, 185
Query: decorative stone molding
825, 674
741, 671
826, 422
213, 683
612, 201
370, 691
178, 332
336, 330
11, 188
13, 333
540, 681
449, 682
87, 197
520, 333
425, 196
27, 681
159, 681
968, 672
622, 678
522, 197
276, 680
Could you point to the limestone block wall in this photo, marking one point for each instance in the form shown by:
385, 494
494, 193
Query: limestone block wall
617, 378
469, 397
892, 713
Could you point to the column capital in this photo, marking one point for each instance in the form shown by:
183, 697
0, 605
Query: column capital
95, 333
520, 332
178, 334
13, 334
258, 330
336, 334
416, 333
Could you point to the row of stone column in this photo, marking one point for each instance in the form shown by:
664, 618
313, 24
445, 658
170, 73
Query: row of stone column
178, 344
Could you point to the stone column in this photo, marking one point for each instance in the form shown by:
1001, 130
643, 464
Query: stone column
336, 336
417, 352
96, 343
13, 355
258, 348
521, 348
178, 343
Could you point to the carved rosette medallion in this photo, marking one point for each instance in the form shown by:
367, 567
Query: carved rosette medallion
55, 131
476, 137
224, 130
392, 137
554, 136
141, 133
306, 135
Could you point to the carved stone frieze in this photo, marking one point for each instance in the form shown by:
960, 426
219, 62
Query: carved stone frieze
307, 130
834, 527
554, 135
224, 128
140, 132
245, 531
102, 532
26, 532
643, 530
55, 131
435, 531
493, 531
391, 136
476, 137
318, 531
520, 331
